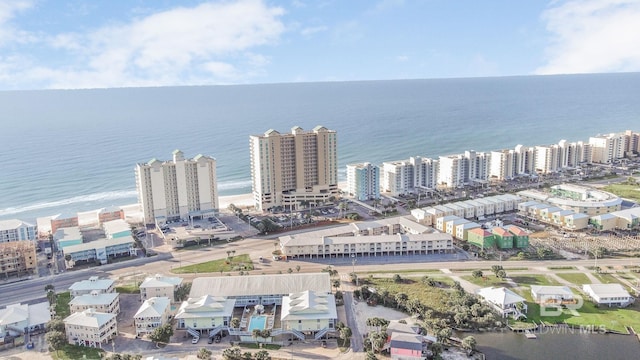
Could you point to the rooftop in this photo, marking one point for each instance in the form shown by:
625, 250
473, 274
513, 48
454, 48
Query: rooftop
89, 318
252, 285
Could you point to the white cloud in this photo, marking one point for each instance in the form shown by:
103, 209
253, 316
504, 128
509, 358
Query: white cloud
8, 10
180, 46
402, 58
313, 30
593, 36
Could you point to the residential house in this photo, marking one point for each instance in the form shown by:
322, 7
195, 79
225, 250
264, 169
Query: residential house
608, 294
505, 301
481, 238
93, 284
520, 236
100, 302
502, 237
17, 319
116, 229
153, 313
159, 286
552, 295
309, 312
205, 313
406, 347
90, 328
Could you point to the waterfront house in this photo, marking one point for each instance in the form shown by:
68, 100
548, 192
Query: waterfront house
403, 346
159, 286
90, 328
608, 294
100, 250
505, 301
552, 295
117, 228
16, 230
153, 313
67, 236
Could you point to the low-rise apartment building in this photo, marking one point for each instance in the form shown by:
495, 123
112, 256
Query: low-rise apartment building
309, 311
205, 312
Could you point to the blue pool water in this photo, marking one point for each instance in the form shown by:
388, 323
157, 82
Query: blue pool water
257, 322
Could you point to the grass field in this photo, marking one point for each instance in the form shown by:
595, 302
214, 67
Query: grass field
62, 304
626, 191
575, 278
72, 352
128, 289
488, 280
534, 279
606, 278
240, 262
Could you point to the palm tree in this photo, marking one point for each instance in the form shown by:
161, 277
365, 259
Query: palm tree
336, 284
469, 343
345, 334
298, 268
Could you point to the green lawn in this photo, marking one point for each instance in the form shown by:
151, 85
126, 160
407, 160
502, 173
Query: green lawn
561, 268
240, 262
534, 279
62, 304
408, 271
73, 352
488, 280
626, 191
128, 289
606, 278
575, 278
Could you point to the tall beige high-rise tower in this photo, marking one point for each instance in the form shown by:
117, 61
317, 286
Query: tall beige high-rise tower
177, 189
296, 169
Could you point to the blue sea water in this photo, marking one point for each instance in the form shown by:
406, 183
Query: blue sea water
75, 150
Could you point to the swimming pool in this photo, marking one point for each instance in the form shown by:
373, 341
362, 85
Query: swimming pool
257, 322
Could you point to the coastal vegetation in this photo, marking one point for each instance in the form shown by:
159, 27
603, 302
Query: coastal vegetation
630, 189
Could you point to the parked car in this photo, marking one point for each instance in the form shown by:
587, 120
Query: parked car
195, 340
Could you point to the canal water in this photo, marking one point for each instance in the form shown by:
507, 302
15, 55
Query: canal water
557, 343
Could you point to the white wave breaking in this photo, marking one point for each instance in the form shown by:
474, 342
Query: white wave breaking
231, 185
102, 196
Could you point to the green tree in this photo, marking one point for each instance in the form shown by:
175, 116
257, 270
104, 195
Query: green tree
289, 270
204, 354
345, 334
233, 353
182, 291
262, 355
496, 268
469, 343
397, 278
162, 334
501, 274
298, 268
444, 334
55, 325
335, 283
247, 355
67, 257
371, 356
436, 350
235, 323
56, 340
49, 288
477, 273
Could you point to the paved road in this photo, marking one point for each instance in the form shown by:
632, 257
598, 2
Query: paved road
357, 344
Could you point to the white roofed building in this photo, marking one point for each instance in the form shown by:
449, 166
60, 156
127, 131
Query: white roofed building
309, 312
16, 230
205, 313
557, 295
116, 229
503, 300
90, 328
153, 313
101, 302
159, 286
608, 294
94, 283
17, 319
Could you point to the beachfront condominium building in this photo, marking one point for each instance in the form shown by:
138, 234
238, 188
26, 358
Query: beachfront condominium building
90, 328
525, 160
546, 159
461, 169
177, 190
363, 181
17, 258
607, 148
409, 176
503, 164
16, 230
292, 169
633, 142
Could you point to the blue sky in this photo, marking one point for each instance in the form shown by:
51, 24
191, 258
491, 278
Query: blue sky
58, 44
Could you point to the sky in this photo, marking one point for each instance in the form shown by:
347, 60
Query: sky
81, 44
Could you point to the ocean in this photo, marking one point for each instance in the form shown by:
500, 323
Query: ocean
65, 151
